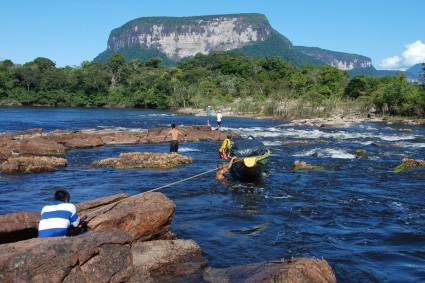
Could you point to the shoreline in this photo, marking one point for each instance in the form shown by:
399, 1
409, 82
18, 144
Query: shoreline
337, 120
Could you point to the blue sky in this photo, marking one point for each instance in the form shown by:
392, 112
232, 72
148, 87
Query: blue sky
391, 33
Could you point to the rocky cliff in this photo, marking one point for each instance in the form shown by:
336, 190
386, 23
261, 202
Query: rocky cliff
342, 61
174, 38
183, 37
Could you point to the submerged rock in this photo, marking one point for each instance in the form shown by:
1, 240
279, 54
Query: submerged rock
407, 163
144, 160
301, 165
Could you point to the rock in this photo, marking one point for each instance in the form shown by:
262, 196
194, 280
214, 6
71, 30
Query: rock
18, 226
32, 164
144, 160
407, 163
301, 165
5, 154
41, 146
21, 226
166, 258
145, 216
85, 141
102, 256
293, 270
101, 204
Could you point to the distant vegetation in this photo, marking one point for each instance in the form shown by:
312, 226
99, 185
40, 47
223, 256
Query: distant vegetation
264, 86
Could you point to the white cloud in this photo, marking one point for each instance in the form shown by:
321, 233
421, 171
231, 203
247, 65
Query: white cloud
413, 54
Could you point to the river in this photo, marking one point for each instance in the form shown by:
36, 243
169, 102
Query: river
367, 221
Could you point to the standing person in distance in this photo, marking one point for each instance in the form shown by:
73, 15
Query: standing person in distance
208, 111
219, 116
174, 145
60, 218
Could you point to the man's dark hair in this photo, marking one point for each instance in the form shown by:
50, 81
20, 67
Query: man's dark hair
229, 136
173, 125
62, 195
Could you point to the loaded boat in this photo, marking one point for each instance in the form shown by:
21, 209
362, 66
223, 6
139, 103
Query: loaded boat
251, 158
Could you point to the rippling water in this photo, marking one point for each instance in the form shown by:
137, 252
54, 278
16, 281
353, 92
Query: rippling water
366, 220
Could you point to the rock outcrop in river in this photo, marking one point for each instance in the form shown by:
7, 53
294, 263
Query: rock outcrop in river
129, 240
21, 152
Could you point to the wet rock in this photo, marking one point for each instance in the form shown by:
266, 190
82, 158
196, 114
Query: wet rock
407, 163
294, 270
18, 226
145, 216
102, 256
144, 160
32, 164
361, 153
41, 146
160, 259
301, 165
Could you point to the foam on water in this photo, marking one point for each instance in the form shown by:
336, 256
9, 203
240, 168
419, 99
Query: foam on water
327, 152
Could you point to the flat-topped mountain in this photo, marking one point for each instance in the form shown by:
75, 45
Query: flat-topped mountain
175, 38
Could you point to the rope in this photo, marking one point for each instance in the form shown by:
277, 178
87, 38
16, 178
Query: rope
156, 189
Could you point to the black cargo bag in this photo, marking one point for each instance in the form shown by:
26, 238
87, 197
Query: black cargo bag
247, 147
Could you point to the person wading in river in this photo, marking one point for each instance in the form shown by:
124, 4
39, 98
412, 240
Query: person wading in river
174, 145
219, 176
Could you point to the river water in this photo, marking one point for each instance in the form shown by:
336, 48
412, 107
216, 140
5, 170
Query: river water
367, 221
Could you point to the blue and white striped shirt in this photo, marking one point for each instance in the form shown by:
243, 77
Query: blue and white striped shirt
56, 218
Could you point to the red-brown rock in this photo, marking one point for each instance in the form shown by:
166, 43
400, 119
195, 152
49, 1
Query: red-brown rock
85, 141
18, 226
102, 256
32, 164
41, 146
145, 216
290, 271
166, 258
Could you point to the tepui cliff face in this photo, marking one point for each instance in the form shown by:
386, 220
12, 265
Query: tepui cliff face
183, 37
179, 37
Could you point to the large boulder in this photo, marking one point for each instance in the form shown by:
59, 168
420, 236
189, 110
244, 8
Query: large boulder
145, 216
33, 164
144, 160
161, 259
18, 226
101, 256
293, 270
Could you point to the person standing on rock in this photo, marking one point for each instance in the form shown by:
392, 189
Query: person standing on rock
60, 218
174, 133
219, 116
208, 111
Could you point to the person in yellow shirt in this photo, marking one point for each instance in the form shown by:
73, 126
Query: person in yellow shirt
225, 147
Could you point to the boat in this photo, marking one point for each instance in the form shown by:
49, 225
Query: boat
251, 158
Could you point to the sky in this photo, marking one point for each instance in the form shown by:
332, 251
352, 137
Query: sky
391, 33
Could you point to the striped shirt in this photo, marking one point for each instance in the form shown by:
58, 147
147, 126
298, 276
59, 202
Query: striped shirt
56, 218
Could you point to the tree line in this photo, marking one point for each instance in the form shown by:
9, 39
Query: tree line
267, 86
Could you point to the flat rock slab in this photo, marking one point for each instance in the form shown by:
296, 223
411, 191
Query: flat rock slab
32, 164
144, 160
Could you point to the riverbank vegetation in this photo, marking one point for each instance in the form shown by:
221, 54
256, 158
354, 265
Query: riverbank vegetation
263, 86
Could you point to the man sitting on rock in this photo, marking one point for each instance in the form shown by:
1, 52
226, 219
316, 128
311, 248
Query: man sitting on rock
60, 218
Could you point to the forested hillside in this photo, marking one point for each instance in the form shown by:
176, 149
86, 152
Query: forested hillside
266, 86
